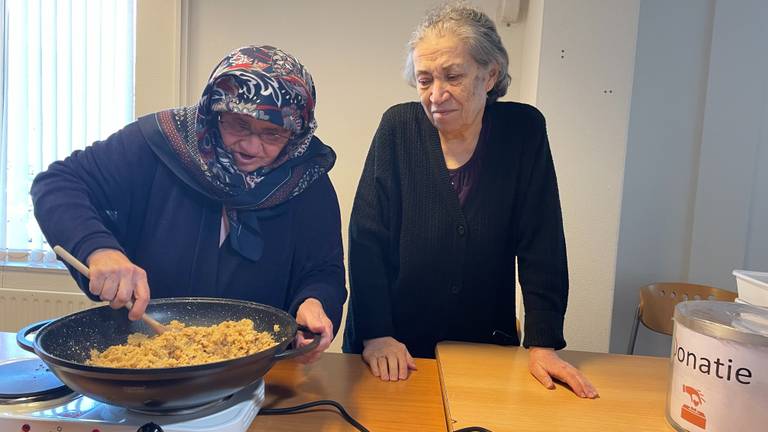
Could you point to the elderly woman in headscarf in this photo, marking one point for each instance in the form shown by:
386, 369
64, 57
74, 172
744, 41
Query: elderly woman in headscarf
454, 190
229, 198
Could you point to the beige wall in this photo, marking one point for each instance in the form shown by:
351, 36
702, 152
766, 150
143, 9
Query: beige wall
158, 54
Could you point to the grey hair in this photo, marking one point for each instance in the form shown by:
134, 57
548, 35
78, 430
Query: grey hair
476, 30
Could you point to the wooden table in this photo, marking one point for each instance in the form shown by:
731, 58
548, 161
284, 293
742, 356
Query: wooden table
490, 386
412, 405
482, 385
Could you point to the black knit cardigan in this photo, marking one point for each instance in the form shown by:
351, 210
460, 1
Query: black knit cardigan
423, 269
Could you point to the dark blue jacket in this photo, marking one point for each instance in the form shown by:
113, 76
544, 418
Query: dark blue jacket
117, 194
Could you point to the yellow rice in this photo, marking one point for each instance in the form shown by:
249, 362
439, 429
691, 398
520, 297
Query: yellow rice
185, 346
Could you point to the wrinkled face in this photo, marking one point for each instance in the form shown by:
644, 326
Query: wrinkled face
253, 143
452, 86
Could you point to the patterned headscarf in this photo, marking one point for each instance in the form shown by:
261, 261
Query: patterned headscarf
267, 84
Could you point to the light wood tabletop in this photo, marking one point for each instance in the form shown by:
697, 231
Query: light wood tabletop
470, 384
490, 386
412, 405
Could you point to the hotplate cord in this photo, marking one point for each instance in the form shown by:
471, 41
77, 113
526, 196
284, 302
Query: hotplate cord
305, 406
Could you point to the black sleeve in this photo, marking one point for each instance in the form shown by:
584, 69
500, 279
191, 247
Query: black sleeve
318, 262
83, 202
370, 231
541, 253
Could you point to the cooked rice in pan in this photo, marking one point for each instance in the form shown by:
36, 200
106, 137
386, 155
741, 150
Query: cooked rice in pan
185, 346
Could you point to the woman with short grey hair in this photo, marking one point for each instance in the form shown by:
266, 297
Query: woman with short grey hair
454, 190
478, 33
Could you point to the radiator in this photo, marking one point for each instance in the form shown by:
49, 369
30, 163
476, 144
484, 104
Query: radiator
20, 307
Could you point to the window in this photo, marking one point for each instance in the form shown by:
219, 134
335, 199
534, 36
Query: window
67, 81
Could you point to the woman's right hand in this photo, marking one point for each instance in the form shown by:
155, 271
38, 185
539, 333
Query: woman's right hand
114, 278
388, 358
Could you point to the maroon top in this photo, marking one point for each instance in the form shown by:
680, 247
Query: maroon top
463, 177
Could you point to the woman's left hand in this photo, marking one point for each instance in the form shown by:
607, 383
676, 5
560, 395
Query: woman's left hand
545, 364
312, 316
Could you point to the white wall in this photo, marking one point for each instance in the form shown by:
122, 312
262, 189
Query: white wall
158, 55
531, 51
730, 202
662, 157
757, 241
695, 204
584, 89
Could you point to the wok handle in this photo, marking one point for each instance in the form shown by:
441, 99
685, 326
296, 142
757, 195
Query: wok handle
287, 354
21, 336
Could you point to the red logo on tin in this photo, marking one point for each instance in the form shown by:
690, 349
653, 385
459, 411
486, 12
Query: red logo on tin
690, 413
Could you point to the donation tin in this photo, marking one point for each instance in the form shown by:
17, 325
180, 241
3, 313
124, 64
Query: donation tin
719, 379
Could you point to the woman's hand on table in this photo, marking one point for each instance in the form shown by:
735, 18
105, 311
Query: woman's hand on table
545, 364
312, 315
388, 359
114, 278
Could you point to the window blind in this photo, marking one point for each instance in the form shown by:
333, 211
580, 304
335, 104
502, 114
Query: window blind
68, 80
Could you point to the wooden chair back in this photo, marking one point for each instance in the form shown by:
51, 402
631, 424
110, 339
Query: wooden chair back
658, 301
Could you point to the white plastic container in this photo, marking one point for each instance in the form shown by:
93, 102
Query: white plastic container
719, 363
752, 287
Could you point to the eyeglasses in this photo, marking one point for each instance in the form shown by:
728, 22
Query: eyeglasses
241, 129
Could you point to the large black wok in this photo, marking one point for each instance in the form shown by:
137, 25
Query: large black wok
65, 344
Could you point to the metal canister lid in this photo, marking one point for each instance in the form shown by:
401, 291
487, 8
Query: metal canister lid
738, 322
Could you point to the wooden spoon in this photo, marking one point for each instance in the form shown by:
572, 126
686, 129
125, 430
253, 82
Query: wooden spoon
85, 271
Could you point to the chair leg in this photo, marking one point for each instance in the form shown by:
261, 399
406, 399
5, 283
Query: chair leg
633, 333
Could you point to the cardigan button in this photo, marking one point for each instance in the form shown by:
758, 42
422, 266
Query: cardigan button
461, 230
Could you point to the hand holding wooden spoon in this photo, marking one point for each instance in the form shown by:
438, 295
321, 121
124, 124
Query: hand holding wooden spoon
115, 279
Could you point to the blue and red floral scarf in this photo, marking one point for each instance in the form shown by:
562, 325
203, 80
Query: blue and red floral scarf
270, 85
